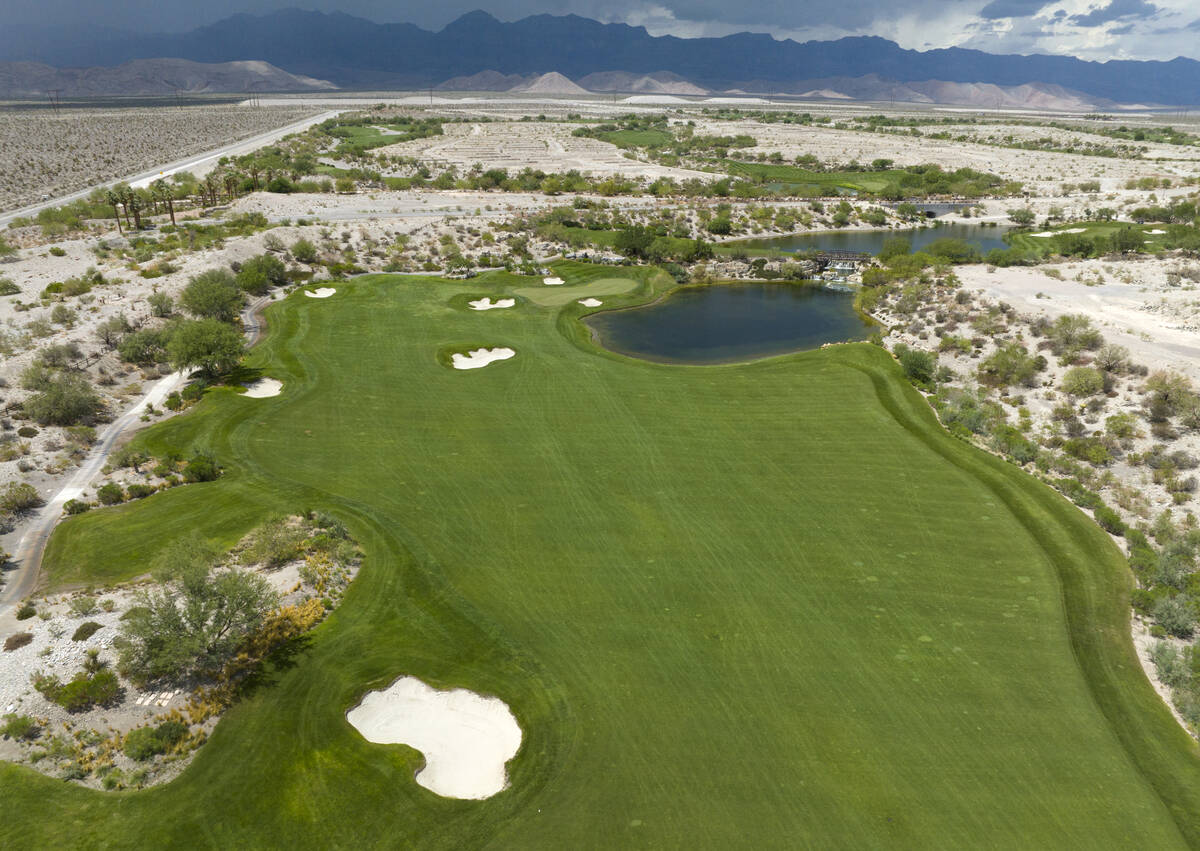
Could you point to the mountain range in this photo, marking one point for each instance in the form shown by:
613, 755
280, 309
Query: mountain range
152, 77
353, 52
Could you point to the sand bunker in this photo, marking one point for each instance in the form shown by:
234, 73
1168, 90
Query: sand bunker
322, 292
488, 304
590, 302
466, 738
553, 282
1048, 233
480, 357
1156, 232
264, 388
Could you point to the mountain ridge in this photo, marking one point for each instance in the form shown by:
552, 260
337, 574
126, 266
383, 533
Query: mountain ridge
354, 52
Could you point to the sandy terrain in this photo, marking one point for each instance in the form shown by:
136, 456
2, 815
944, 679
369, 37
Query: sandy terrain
516, 145
466, 739
1040, 171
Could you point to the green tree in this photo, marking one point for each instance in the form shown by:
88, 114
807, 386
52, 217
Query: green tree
212, 346
259, 274
213, 295
304, 251
1022, 216
193, 620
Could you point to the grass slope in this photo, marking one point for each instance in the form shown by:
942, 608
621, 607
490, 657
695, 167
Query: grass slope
758, 605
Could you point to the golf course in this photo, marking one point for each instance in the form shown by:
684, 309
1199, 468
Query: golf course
768, 604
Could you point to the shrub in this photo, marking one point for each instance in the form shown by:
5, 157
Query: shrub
27, 431
86, 630
19, 496
64, 399
161, 304
76, 506
918, 365
20, 727
84, 605
137, 491
1109, 520
304, 251
110, 494
17, 640
259, 274
202, 467
1083, 381
274, 543
1175, 615
86, 690
26, 611
146, 742
7, 287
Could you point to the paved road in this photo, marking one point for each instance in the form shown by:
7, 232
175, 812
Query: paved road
200, 164
22, 581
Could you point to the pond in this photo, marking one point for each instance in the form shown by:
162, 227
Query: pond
871, 241
732, 322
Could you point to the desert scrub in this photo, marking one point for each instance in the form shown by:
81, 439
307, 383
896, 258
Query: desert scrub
20, 727
86, 630
17, 640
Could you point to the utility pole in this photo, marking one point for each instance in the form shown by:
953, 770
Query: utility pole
55, 98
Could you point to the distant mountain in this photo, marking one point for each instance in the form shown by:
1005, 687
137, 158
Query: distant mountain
484, 81
152, 77
660, 82
355, 52
553, 83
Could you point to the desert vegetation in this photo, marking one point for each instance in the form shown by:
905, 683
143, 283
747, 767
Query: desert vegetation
52, 154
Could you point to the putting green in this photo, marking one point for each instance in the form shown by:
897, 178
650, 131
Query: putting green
755, 605
567, 293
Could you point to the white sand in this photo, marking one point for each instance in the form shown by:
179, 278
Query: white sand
264, 388
480, 357
1156, 232
322, 292
1047, 233
466, 738
488, 304
553, 282
590, 302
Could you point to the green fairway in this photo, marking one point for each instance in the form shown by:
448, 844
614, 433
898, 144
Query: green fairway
764, 605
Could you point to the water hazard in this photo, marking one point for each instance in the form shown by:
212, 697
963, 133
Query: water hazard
732, 322
983, 237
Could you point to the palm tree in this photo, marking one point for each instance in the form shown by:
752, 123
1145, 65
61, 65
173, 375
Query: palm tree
163, 193
114, 200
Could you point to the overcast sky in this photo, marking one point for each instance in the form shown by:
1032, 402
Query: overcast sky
1093, 29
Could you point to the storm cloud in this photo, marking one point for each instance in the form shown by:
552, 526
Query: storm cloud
1094, 29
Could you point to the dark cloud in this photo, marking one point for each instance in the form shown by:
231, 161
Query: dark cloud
1115, 10
1013, 8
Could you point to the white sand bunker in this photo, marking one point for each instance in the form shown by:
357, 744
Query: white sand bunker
1156, 232
590, 302
466, 738
488, 304
553, 282
480, 357
322, 292
1048, 233
264, 388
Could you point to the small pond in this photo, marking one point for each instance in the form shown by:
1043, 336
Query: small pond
871, 241
732, 322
